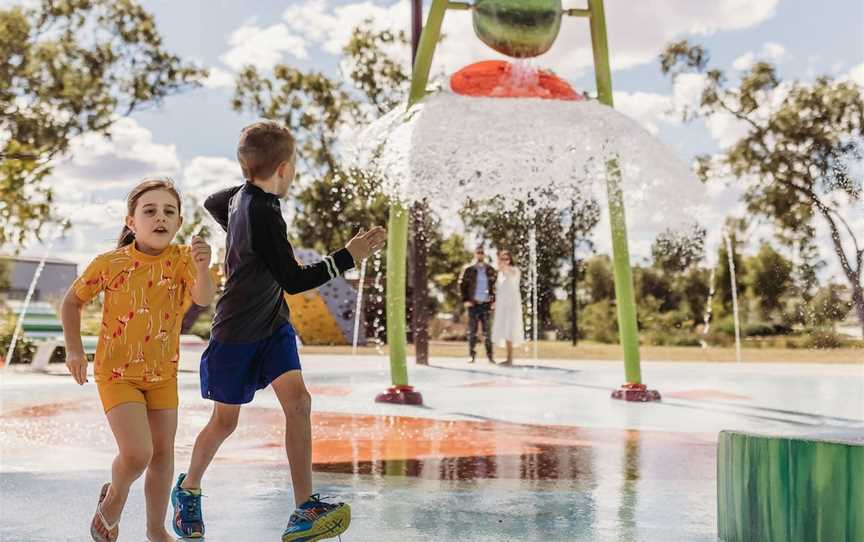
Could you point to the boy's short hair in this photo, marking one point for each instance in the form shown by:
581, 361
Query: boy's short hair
263, 146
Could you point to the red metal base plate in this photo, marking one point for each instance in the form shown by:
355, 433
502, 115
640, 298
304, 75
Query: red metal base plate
400, 395
636, 392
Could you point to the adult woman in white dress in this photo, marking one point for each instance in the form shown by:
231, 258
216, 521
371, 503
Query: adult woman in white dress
507, 327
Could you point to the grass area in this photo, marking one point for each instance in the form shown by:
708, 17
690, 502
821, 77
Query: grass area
608, 352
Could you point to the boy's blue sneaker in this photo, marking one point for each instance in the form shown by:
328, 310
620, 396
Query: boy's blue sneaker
188, 522
317, 520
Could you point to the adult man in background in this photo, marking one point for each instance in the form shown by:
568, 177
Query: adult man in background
477, 285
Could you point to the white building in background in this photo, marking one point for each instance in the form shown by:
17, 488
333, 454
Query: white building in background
850, 326
16, 273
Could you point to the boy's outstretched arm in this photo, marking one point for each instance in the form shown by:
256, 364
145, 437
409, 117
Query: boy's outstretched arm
217, 205
270, 242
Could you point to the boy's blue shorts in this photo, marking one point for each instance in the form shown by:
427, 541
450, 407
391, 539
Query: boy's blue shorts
232, 373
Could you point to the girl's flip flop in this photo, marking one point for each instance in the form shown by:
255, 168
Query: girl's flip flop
112, 530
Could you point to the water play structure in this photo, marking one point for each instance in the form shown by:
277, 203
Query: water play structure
445, 148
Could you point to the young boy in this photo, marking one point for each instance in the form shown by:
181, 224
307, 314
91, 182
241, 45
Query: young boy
252, 344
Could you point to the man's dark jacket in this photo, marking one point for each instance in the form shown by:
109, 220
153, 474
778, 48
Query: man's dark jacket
468, 282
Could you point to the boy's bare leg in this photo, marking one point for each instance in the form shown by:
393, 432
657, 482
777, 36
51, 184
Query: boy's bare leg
222, 423
297, 406
160, 471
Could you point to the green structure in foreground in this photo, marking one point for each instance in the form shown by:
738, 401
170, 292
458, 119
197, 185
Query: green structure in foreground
790, 489
498, 23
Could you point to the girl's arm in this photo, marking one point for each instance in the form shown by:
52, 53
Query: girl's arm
70, 316
204, 289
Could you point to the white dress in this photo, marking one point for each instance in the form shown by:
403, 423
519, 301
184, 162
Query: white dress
508, 325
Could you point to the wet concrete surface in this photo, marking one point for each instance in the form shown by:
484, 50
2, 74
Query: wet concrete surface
530, 453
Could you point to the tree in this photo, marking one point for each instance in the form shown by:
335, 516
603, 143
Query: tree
794, 159
675, 251
830, 305
70, 67
599, 279
446, 258
770, 279
694, 287
584, 217
332, 200
655, 283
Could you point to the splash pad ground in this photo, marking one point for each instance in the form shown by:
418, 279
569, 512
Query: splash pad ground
535, 452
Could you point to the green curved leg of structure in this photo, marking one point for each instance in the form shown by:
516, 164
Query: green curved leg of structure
398, 225
397, 228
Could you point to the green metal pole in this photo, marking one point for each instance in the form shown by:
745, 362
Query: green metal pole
624, 294
397, 245
397, 234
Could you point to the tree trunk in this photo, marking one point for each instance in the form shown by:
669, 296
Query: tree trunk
858, 301
420, 290
853, 274
419, 250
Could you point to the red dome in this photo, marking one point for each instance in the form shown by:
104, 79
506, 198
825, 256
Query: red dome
496, 79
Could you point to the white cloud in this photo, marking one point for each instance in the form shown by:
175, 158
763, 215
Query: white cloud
204, 175
856, 74
745, 61
646, 108
771, 51
774, 51
263, 47
637, 31
6, 4
97, 162
219, 78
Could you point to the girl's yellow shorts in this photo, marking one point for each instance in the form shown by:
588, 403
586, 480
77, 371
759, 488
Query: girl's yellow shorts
154, 395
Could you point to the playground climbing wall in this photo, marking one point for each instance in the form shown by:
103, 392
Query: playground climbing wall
325, 315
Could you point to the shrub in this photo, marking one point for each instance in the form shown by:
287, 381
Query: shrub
24, 348
822, 338
599, 322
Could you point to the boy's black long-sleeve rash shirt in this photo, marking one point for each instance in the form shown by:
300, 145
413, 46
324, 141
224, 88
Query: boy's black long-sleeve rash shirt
260, 265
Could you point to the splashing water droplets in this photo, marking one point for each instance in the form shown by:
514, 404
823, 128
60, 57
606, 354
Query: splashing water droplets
450, 149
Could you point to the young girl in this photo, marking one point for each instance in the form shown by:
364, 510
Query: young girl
507, 324
145, 283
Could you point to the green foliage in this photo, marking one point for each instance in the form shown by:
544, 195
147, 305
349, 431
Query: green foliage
770, 278
4, 274
676, 251
823, 338
25, 349
652, 283
694, 287
446, 258
559, 313
201, 328
794, 159
830, 305
599, 322
69, 67
764, 329
599, 280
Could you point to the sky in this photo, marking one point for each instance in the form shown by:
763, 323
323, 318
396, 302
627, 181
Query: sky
192, 136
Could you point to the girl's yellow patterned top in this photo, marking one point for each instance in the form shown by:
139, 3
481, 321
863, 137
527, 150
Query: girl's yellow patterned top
143, 311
